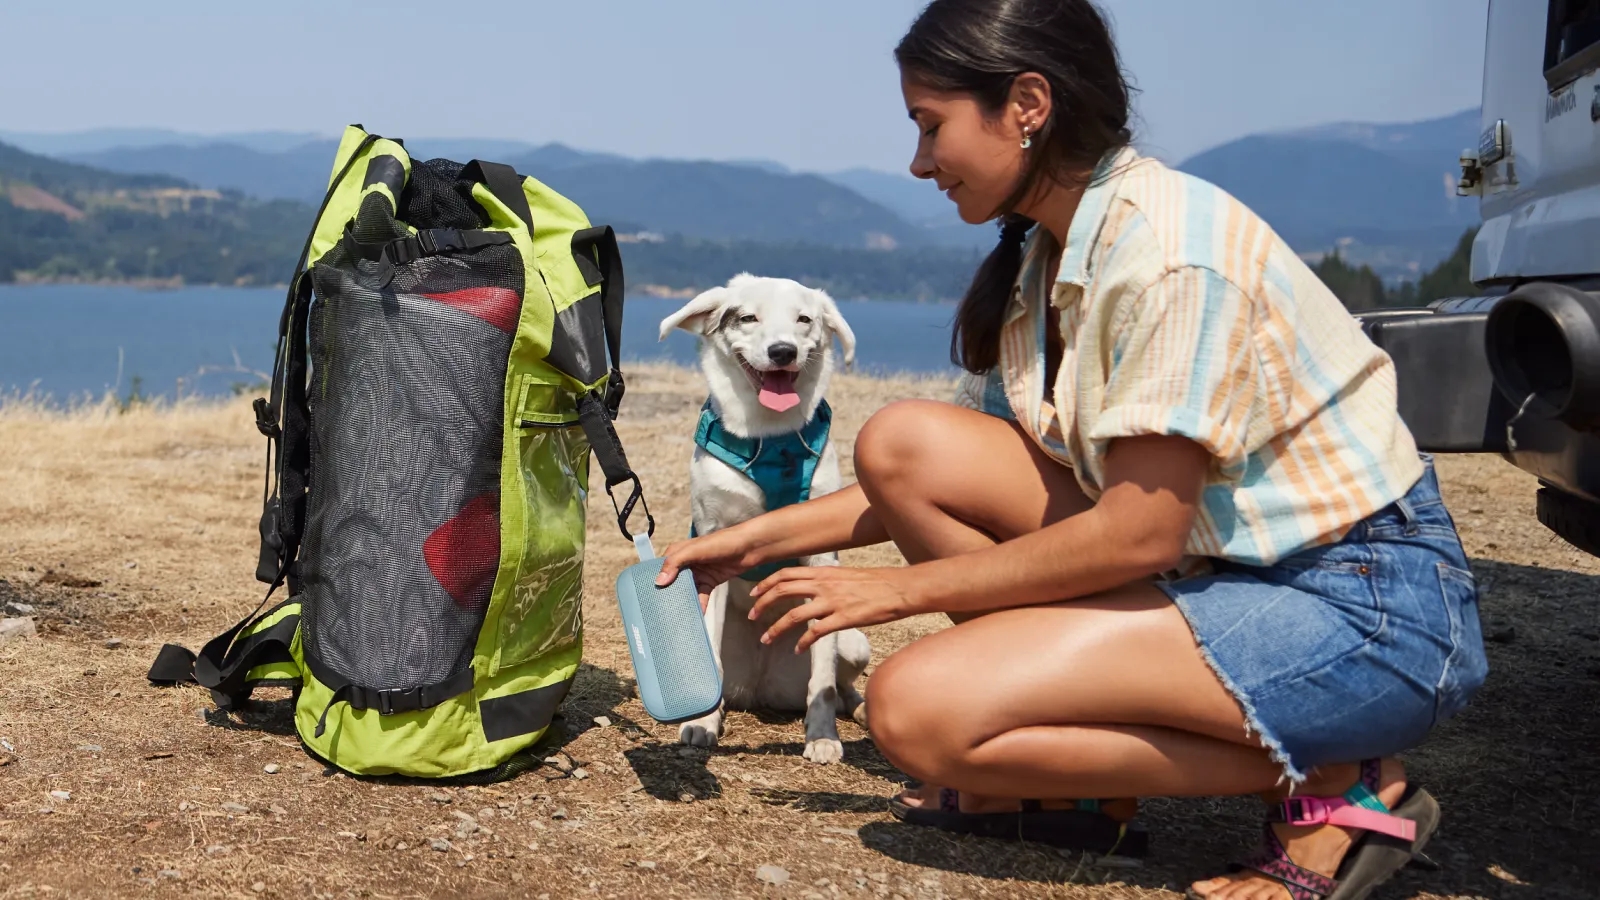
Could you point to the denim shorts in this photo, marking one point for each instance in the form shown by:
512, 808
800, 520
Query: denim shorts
1350, 650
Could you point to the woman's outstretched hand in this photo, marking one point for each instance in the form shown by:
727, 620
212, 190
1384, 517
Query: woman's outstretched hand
713, 558
838, 598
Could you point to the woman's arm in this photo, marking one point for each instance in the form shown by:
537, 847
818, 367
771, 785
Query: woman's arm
842, 520
1138, 528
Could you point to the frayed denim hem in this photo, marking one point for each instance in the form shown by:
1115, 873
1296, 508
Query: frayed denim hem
1252, 723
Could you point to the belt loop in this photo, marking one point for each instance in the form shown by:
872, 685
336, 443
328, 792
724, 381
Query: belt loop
1408, 514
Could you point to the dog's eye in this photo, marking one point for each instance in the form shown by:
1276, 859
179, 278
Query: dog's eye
747, 319
805, 320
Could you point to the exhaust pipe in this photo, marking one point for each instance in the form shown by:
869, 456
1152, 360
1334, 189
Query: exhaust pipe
1543, 343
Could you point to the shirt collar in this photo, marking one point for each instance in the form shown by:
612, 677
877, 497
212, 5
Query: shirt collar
1091, 215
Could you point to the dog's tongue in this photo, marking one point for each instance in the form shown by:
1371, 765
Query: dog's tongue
777, 391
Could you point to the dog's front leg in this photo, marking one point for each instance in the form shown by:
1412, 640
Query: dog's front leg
704, 731
822, 703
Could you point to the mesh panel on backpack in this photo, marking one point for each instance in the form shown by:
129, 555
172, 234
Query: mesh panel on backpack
407, 404
436, 197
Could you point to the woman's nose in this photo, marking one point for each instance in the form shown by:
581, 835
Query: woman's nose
922, 164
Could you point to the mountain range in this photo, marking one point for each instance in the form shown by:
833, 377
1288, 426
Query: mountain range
1382, 194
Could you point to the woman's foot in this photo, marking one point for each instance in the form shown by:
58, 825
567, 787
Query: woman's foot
1319, 848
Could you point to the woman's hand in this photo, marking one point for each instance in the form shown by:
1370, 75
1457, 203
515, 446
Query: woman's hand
839, 598
713, 558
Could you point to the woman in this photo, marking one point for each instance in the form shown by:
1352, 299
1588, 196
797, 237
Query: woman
1188, 545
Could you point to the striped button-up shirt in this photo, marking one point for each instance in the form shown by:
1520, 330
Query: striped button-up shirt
1182, 313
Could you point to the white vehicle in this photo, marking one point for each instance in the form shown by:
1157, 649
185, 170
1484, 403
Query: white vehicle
1516, 370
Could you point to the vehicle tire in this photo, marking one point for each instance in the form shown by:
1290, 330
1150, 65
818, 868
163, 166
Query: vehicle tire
1574, 518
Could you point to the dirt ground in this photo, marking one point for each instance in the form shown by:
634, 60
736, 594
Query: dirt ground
129, 530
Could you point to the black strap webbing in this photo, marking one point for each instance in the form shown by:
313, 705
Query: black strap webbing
595, 249
505, 184
278, 517
224, 662
426, 242
386, 702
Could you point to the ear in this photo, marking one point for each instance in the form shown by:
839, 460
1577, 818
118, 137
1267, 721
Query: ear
839, 327
698, 316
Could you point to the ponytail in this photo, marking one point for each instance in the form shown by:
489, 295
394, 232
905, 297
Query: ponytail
975, 342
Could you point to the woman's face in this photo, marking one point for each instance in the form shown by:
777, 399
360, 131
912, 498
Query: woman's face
977, 160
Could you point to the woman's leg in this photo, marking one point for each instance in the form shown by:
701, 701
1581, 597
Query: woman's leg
1105, 696
944, 481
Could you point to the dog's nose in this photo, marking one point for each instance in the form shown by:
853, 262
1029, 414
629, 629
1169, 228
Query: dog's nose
782, 354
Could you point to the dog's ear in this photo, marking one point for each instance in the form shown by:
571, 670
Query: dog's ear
838, 326
698, 316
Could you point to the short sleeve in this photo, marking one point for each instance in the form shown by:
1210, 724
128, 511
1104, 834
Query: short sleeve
1184, 363
984, 393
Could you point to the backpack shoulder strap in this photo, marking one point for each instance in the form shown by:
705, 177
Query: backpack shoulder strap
259, 649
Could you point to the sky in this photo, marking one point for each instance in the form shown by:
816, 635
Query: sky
810, 84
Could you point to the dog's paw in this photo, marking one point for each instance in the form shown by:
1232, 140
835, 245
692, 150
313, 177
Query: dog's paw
860, 715
824, 751
697, 735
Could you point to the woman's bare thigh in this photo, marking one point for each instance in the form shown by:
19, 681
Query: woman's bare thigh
975, 467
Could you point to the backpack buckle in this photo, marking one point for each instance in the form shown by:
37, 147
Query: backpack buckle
395, 700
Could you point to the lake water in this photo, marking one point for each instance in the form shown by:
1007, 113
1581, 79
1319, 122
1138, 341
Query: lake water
68, 341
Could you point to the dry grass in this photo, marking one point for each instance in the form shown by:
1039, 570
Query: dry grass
141, 527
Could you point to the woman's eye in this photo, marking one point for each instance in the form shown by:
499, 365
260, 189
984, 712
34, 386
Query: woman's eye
931, 131
805, 320
747, 320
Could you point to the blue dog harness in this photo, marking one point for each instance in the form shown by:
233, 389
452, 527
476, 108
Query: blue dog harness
782, 466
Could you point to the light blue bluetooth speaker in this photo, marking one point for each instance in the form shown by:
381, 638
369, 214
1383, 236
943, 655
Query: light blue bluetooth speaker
672, 660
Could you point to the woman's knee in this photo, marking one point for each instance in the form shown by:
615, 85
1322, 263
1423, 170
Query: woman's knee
911, 726
896, 442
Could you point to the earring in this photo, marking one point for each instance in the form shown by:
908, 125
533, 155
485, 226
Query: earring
1027, 139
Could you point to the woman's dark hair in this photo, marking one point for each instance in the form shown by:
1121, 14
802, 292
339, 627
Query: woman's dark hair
979, 47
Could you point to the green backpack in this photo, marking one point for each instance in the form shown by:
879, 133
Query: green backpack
441, 379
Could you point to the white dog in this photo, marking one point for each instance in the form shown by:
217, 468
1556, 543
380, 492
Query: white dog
766, 351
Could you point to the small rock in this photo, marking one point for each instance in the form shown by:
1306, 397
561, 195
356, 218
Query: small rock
61, 795
236, 807
91, 748
131, 565
259, 886
559, 814
20, 609
349, 834
486, 813
271, 768
774, 875
401, 845
113, 643
439, 798
464, 816
16, 630
184, 806
217, 849
602, 721
277, 810
173, 874
441, 845
647, 864
685, 797
879, 877
580, 773
564, 765
686, 752
1505, 635
200, 713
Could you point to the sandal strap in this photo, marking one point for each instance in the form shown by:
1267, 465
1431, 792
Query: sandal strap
1358, 808
1273, 861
